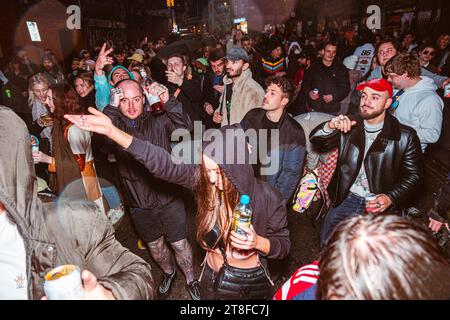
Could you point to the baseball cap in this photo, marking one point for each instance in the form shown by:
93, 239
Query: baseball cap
377, 85
236, 53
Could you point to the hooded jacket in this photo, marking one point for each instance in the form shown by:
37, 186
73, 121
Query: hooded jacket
269, 209
247, 94
420, 108
66, 233
142, 189
103, 87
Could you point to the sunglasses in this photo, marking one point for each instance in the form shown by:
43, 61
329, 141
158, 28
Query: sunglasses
431, 53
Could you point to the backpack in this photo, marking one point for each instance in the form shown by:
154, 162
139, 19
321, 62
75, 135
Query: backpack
309, 190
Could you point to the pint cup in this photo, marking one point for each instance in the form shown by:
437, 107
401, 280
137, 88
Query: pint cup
64, 283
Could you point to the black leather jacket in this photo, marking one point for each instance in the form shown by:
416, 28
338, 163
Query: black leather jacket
393, 162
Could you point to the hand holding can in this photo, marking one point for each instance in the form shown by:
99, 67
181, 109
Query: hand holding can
64, 283
370, 205
314, 94
116, 96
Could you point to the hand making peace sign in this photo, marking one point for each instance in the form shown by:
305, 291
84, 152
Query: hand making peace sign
102, 60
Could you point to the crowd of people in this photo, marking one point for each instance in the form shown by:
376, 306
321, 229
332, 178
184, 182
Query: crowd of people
354, 112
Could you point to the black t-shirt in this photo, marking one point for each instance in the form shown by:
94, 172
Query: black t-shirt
267, 124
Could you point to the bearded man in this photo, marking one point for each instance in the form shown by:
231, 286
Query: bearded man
377, 155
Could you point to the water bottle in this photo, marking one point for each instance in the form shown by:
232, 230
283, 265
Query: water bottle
242, 215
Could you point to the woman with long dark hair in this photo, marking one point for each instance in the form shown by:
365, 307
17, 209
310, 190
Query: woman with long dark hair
71, 163
235, 265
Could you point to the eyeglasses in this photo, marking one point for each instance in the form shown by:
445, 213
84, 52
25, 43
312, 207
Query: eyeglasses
431, 53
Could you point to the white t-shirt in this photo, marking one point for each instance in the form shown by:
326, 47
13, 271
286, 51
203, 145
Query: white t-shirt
13, 269
365, 54
80, 142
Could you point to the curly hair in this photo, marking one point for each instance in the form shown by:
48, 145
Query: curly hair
284, 84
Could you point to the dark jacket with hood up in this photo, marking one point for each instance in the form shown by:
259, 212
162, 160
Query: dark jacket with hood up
142, 189
269, 209
69, 233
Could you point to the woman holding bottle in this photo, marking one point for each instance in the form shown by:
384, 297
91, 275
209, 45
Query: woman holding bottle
235, 265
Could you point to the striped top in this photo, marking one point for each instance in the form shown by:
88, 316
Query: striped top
301, 285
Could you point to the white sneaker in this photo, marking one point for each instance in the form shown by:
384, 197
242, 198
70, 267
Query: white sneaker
114, 215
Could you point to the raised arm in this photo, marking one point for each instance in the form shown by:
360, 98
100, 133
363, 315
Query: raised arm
157, 160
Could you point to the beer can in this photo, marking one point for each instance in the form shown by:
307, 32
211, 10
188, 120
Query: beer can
64, 283
370, 197
447, 91
315, 91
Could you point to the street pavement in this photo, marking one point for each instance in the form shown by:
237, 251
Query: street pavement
304, 242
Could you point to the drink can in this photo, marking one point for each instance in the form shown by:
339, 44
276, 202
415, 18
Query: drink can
447, 91
143, 73
315, 91
64, 283
34, 148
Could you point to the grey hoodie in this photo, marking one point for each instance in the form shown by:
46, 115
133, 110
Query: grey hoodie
421, 108
69, 233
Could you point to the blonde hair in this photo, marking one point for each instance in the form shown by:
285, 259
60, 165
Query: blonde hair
35, 80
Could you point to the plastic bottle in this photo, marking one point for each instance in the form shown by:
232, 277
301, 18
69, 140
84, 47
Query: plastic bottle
242, 215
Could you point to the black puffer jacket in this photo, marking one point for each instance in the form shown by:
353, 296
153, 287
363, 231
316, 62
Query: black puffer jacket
142, 189
393, 163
